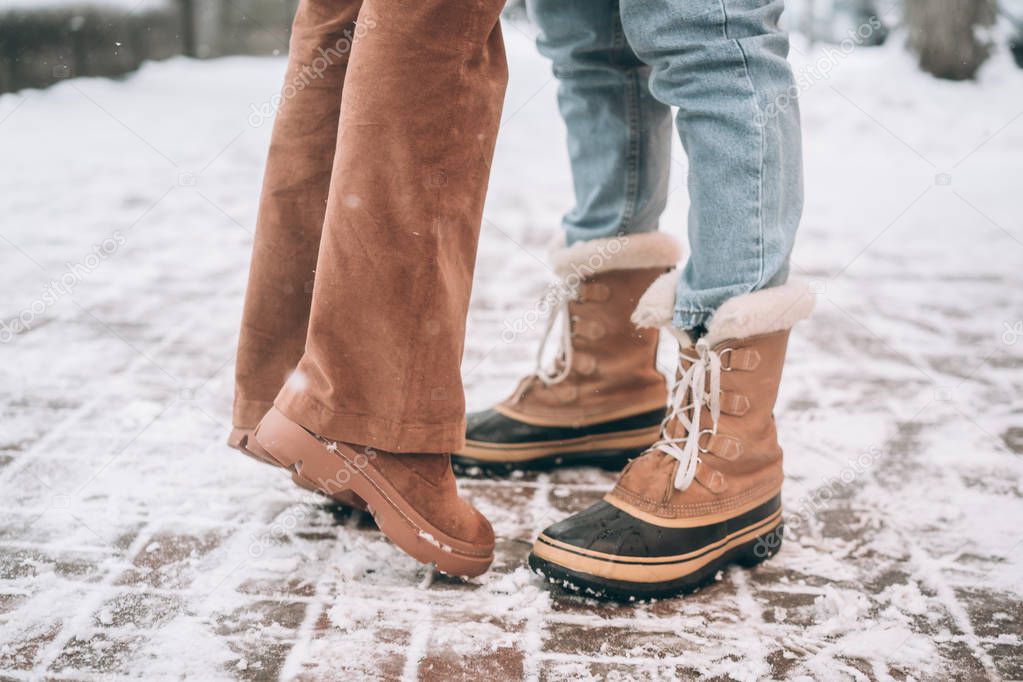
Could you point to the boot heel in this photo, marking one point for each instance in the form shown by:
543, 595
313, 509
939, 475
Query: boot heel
761, 548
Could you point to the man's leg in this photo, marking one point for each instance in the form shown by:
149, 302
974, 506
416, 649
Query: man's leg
708, 492
292, 206
379, 384
723, 64
604, 399
619, 135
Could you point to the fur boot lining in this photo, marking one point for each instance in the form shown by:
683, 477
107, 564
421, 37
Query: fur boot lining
657, 304
628, 252
761, 312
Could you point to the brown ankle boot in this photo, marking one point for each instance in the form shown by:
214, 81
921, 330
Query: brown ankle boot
603, 401
413, 497
708, 492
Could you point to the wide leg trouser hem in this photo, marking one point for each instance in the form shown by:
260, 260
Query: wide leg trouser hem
368, 430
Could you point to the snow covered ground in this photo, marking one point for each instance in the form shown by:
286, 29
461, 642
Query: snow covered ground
133, 542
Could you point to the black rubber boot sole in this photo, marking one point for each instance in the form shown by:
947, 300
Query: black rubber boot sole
749, 554
611, 460
497, 445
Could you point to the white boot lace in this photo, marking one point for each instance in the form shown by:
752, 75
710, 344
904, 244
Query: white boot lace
555, 375
686, 447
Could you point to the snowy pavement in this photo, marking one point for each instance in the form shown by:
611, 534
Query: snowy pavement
134, 543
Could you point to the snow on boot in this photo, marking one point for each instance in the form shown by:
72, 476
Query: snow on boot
708, 492
412, 497
603, 400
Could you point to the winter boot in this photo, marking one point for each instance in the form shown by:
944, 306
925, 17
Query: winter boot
412, 497
708, 492
242, 441
603, 400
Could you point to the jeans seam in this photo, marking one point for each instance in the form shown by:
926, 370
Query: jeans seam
632, 157
619, 41
758, 115
760, 170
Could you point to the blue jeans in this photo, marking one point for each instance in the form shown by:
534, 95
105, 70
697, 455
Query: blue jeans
622, 65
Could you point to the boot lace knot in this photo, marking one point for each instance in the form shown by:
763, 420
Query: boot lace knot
704, 368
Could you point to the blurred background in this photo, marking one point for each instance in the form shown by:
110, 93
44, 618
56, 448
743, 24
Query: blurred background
44, 41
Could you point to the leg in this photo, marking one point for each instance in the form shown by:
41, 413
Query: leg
618, 134
722, 62
292, 206
605, 398
419, 120
707, 493
379, 383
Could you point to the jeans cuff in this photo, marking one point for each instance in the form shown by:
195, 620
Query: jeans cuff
687, 320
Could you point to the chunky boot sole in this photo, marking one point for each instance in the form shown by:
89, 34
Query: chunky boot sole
626, 579
242, 441
337, 467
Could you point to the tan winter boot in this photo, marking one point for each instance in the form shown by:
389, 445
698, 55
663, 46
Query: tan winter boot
708, 492
603, 401
412, 497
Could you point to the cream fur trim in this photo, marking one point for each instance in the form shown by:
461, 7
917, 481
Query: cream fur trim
761, 312
628, 252
656, 306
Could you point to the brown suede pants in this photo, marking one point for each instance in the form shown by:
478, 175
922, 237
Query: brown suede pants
365, 245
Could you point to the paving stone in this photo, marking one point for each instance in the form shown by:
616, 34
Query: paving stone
143, 610
617, 672
24, 652
491, 649
170, 559
266, 617
258, 659
18, 564
612, 641
98, 653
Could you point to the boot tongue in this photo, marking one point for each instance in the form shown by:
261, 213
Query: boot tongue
675, 428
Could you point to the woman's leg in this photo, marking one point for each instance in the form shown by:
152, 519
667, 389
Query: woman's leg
419, 119
292, 205
379, 383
